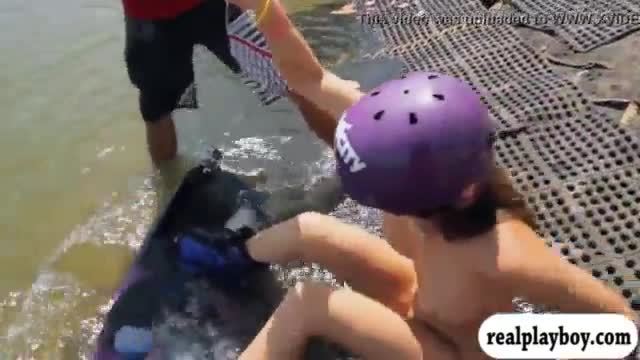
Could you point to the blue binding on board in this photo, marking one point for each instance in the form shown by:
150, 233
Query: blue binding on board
199, 237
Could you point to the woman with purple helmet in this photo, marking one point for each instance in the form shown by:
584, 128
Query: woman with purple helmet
462, 242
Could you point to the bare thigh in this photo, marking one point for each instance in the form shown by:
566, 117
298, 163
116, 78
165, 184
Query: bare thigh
436, 346
433, 345
360, 324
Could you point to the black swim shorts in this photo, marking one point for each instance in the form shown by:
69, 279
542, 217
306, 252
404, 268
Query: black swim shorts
158, 54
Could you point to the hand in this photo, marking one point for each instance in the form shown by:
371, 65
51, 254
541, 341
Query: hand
222, 252
352, 84
344, 83
348, 9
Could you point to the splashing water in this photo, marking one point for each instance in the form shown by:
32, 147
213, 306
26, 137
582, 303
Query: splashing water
56, 318
60, 314
250, 147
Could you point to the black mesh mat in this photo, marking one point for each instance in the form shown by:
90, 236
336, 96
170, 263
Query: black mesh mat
415, 18
581, 177
584, 25
579, 170
515, 80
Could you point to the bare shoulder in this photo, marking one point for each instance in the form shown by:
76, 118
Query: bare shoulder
510, 246
516, 239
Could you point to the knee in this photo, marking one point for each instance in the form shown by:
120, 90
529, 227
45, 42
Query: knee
304, 225
305, 295
309, 292
310, 227
307, 302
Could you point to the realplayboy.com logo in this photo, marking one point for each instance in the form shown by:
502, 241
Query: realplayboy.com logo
558, 336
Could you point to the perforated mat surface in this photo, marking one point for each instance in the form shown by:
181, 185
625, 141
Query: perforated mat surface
579, 170
584, 25
510, 75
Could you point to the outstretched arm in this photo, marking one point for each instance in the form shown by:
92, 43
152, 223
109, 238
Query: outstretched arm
366, 262
296, 61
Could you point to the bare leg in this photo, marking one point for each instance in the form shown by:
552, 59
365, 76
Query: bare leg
161, 139
433, 345
363, 326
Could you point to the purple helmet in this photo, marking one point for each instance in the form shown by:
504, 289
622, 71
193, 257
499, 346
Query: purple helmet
412, 145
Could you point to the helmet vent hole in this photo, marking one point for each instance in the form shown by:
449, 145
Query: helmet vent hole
431, 77
375, 93
406, 91
438, 96
378, 115
413, 119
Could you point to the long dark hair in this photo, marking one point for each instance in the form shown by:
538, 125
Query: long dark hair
497, 196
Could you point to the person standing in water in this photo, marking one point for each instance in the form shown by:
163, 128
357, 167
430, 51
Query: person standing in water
461, 241
160, 36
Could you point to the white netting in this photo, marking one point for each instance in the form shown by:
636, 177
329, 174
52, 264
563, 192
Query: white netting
249, 48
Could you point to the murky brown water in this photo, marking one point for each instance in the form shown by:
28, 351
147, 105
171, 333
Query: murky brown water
78, 190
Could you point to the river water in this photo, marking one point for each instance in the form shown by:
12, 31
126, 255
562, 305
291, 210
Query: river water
78, 189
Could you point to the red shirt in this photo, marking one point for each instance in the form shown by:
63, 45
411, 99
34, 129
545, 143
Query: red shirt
157, 9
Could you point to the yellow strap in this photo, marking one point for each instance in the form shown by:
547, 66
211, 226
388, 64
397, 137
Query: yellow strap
263, 12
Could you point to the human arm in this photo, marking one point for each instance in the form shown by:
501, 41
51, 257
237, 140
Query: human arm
539, 275
297, 63
320, 121
365, 261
